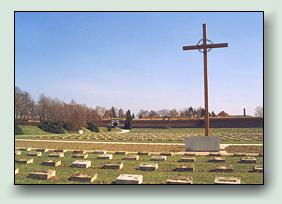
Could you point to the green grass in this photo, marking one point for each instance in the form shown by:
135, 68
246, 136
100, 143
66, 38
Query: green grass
172, 135
32, 130
201, 175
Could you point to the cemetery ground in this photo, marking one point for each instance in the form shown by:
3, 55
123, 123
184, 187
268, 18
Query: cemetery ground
155, 141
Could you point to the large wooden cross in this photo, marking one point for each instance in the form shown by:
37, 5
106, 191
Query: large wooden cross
204, 48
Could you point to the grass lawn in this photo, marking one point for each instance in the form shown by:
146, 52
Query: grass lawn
201, 175
32, 130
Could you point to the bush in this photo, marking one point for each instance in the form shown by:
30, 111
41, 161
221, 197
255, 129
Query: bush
93, 127
109, 128
52, 127
18, 130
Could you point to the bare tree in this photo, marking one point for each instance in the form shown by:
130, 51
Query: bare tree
259, 111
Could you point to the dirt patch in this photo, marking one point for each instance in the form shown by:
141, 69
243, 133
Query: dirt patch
109, 147
244, 149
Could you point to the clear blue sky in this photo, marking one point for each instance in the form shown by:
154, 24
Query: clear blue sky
135, 60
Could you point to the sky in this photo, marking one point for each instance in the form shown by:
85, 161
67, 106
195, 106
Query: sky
134, 60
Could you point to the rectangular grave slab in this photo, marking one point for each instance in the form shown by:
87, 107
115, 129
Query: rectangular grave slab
83, 178
17, 171
158, 158
56, 154
227, 180
252, 154
60, 150
105, 156
118, 165
187, 159
184, 168
41, 150
217, 159
34, 154
148, 166
144, 153
215, 154
202, 143
121, 153
81, 156
129, 179
239, 154
131, 157
25, 148
79, 152
180, 180
166, 153
18, 152
223, 169
43, 175
258, 169
24, 161
248, 160
189, 154
81, 164
99, 152
52, 163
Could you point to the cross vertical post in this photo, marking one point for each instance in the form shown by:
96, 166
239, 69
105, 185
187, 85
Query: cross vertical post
205, 55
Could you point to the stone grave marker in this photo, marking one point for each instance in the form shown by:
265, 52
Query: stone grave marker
166, 153
187, 159
227, 180
81, 164
148, 166
190, 154
43, 175
105, 156
80, 155
129, 179
217, 159
24, 161
78, 177
56, 154
17, 171
34, 154
79, 152
52, 163
131, 157
258, 169
223, 168
60, 150
144, 153
121, 153
41, 150
180, 180
99, 152
118, 165
248, 160
158, 158
184, 168
18, 152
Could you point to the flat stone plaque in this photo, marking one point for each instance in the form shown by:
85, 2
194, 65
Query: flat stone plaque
99, 152
248, 160
148, 166
17, 171
121, 153
56, 154
52, 163
131, 157
60, 150
129, 179
79, 152
43, 175
223, 168
158, 158
166, 153
180, 180
83, 178
18, 152
202, 143
80, 155
184, 168
34, 154
144, 153
81, 164
217, 159
187, 159
41, 150
227, 180
258, 169
105, 156
24, 161
118, 165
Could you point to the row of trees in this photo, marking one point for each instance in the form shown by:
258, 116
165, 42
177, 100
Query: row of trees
72, 116
187, 112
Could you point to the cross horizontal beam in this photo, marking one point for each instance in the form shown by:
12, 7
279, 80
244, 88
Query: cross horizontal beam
206, 46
